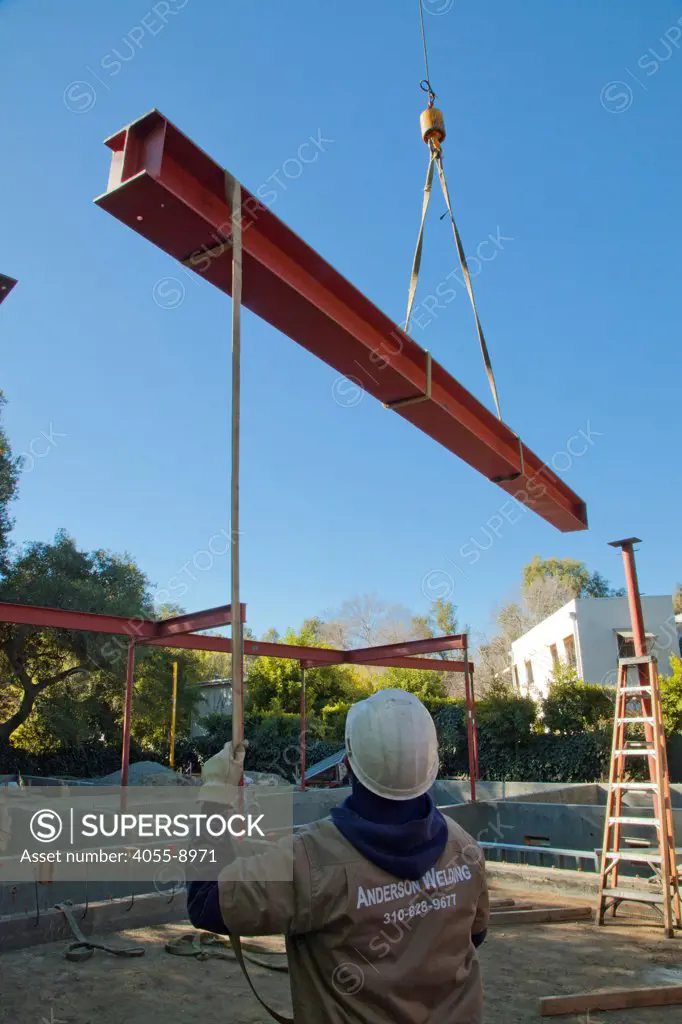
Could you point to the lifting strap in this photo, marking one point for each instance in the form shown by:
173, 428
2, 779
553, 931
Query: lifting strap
434, 136
236, 944
436, 160
207, 945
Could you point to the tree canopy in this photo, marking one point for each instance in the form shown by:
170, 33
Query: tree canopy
10, 468
572, 573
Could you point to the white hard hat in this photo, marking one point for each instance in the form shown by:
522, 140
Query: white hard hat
392, 745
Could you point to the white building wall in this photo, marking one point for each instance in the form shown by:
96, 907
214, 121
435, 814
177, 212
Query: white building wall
534, 647
213, 699
599, 621
594, 624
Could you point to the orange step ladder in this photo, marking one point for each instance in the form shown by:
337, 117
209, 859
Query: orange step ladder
639, 706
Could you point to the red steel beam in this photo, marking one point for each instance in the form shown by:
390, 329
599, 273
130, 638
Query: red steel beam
94, 622
432, 664
456, 642
309, 656
145, 631
6, 286
168, 190
192, 622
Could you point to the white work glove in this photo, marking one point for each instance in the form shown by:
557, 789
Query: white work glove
225, 768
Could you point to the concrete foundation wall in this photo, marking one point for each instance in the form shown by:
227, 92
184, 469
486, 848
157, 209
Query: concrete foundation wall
569, 817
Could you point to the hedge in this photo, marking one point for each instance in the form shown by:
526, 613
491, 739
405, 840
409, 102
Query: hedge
513, 745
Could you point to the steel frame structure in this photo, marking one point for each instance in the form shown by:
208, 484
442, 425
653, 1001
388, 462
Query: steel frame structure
181, 633
168, 190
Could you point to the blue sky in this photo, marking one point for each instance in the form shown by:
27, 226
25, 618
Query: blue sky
563, 140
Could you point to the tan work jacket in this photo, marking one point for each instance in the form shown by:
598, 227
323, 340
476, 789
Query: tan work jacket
365, 947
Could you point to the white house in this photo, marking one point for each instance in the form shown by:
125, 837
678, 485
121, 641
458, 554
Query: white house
216, 696
591, 633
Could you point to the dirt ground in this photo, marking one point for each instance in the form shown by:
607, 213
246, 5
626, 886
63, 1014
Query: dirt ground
520, 963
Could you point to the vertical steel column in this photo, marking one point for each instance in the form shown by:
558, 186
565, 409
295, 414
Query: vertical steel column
634, 597
638, 630
303, 727
474, 724
471, 725
128, 713
174, 708
233, 187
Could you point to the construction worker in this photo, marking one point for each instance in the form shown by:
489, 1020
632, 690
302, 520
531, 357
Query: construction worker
387, 899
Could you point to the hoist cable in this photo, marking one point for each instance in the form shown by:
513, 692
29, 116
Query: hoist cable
433, 133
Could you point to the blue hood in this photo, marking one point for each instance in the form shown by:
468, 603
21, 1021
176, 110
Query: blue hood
404, 837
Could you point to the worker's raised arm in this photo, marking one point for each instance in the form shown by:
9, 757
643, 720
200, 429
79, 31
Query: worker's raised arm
263, 887
268, 892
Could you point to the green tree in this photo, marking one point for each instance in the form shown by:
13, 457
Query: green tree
58, 575
440, 621
422, 682
10, 468
274, 684
573, 573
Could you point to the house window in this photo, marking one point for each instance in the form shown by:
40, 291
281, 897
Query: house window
554, 654
569, 649
626, 643
626, 646
529, 675
516, 678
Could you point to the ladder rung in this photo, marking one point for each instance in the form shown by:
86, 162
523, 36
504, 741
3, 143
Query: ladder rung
636, 689
634, 821
638, 857
641, 896
634, 785
634, 721
634, 751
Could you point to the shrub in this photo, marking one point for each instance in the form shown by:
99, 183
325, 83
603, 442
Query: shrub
579, 758
573, 706
450, 722
671, 697
334, 721
504, 718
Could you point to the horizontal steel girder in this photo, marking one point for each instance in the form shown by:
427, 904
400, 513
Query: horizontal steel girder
6, 286
408, 648
148, 632
310, 656
136, 629
168, 190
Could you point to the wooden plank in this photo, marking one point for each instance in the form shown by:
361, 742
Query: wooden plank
502, 903
514, 906
542, 915
611, 999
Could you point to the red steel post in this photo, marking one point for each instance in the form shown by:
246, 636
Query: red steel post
474, 726
128, 713
303, 727
627, 547
634, 597
471, 737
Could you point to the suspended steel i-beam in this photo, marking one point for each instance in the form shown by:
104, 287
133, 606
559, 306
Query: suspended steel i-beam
168, 190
